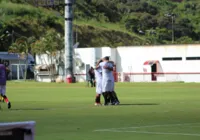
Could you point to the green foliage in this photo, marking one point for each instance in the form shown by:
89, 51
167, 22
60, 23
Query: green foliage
184, 40
139, 16
106, 22
95, 37
22, 45
29, 21
3, 36
51, 42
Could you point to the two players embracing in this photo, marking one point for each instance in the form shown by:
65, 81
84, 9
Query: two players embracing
105, 82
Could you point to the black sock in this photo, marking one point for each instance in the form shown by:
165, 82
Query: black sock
91, 82
105, 97
96, 99
99, 98
115, 94
112, 98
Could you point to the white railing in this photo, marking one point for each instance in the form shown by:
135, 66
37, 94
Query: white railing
160, 77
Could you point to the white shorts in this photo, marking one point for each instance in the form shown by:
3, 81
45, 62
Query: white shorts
99, 87
107, 86
2, 89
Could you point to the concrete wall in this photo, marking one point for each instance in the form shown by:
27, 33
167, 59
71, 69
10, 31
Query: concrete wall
91, 56
130, 60
136, 56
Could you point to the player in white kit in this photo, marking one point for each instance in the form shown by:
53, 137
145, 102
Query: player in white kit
98, 76
115, 99
107, 78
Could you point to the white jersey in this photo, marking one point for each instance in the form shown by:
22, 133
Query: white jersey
111, 74
98, 77
107, 79
98, 74
106, 74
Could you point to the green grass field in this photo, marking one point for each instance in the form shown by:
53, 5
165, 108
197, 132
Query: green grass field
149, 111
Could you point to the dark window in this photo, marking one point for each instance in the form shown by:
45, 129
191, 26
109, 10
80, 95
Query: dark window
171, 58
192, 58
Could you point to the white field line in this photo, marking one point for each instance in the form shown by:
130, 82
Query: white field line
154, 133
147, 126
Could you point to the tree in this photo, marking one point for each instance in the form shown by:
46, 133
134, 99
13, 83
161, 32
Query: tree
184, 40
51, 44
22, 46
4, 34
136, 15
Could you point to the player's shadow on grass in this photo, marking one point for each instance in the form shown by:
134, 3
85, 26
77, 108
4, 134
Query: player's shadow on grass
24, 109
138, 104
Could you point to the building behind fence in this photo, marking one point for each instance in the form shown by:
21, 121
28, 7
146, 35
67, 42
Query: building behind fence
169, 63
147, 63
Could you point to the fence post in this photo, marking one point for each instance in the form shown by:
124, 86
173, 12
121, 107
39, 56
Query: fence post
17, 72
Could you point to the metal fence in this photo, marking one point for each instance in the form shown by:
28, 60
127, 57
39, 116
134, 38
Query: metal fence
17, 72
